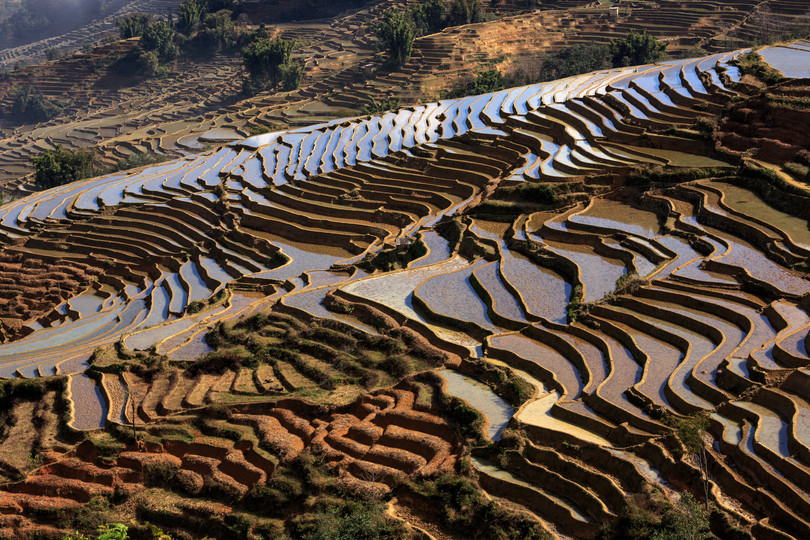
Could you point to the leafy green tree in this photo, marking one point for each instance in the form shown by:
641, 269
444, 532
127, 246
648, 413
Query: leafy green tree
692, 431
159, 37
396, 34
576, 59
189, 15
217, 33
60, 166
291, 76
28, 105
269, 61
464, 12
428, 17
636, 49
132, 25
148, 63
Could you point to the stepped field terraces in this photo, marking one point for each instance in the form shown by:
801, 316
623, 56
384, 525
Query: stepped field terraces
294, 293
201, 104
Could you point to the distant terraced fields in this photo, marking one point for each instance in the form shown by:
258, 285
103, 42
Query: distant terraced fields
646, 295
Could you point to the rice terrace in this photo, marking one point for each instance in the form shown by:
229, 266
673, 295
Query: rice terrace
405, 269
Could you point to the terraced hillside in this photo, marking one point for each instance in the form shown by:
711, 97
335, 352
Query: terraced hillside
584, 246
201, 105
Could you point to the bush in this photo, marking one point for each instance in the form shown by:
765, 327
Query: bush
28, 105
374, 106
159, 37
396, 33
464, 12
353, 520
754, 65
269, 61
636, 49
576, 59
60, 166
132, 25
397, 366
160, 475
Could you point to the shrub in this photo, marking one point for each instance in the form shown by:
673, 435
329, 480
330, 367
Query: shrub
161, 475
397, 366
374, 106
28, 105
396, 33
268, 61
754, 65
132, 25
60, 166
635, 49
159, 37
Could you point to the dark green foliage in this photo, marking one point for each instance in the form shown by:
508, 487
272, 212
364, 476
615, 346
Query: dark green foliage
536, 193
396, 366
392, 259
396, 34
647, 175
132, 25
139, 160
375, 106
60, 166
651, 517
468, 420
160, 475
463, 506
189, 15
484, 82
353, 520
158, 37
576, 59
217, 33
581, 58
28, 105
636, 49
428, 17
753, 64
464, 12
222, 360
148, 63
269, 61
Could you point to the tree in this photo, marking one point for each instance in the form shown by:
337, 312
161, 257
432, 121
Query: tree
132, 25
691, 431
28, 105
428, 17
576, 59
217, 33
189, 16
269, 61
60, 166
159, 37
396, 33
464, 12
636, 49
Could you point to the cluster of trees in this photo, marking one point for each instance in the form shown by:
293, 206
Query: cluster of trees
28, 105
202, 27
398, 29
60, 166
634, 49
269, 62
